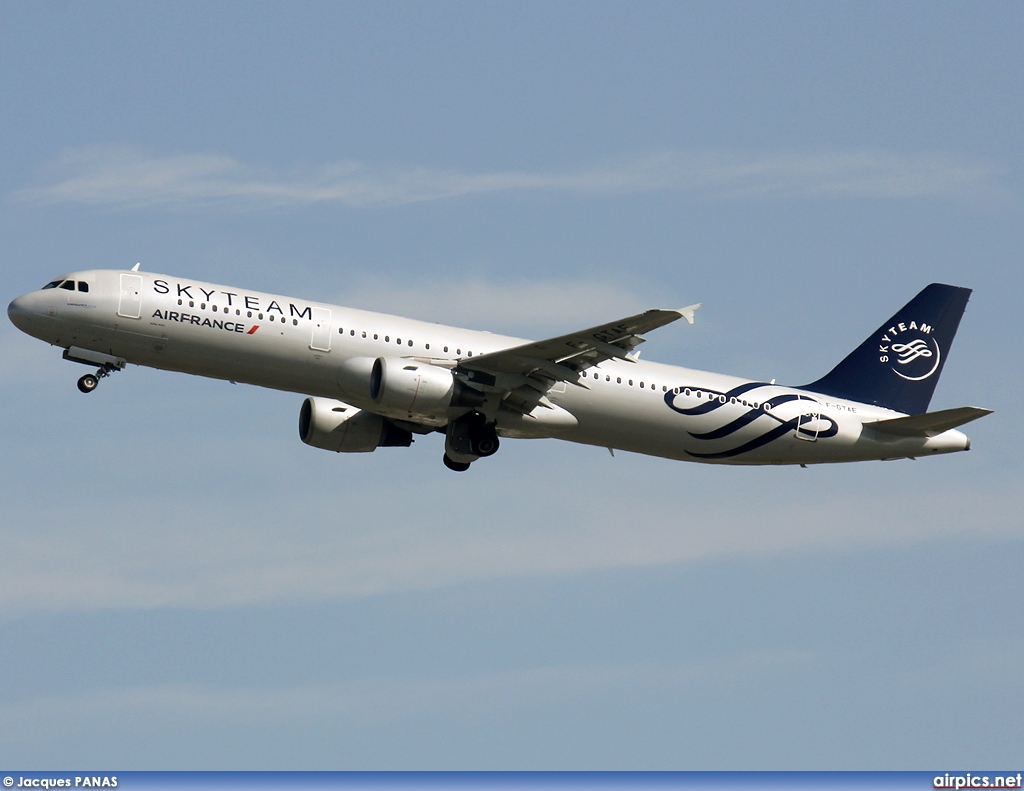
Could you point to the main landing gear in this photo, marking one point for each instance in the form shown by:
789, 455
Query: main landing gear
456, 466
467, 439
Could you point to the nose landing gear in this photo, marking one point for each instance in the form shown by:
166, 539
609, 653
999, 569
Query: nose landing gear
107, 363
90, 382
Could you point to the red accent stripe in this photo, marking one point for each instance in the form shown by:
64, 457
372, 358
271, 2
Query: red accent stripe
254, 328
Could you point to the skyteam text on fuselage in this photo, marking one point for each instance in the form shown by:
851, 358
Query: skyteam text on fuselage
375, 380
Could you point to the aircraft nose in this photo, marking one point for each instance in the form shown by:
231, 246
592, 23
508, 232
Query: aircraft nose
19, 312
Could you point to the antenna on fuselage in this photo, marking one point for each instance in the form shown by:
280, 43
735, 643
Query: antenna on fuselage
136, 267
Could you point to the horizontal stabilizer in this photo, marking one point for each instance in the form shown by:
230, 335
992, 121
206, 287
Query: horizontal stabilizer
930, 423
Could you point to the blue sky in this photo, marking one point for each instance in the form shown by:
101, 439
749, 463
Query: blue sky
184, 584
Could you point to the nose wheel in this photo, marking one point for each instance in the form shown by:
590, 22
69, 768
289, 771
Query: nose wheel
90, 382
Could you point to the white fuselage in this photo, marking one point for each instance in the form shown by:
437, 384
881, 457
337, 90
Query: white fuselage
300, 346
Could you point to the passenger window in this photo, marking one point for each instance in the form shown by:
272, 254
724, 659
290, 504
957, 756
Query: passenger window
295, 322
410, 343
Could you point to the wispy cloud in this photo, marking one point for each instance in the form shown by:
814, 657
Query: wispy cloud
381, 699
207, 554
127, 178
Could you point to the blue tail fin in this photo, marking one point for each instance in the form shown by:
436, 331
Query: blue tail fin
899, 364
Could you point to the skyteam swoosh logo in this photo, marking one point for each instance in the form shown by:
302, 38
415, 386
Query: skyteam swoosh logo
910, 351
915, 355
747, 419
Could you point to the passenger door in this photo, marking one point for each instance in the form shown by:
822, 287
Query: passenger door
321, 340
807, 423
129, 306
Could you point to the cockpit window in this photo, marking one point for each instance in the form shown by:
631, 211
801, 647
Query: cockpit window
83, 286
68, 285
54, 284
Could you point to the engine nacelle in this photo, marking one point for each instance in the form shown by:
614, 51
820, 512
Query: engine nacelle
418, 391
353, 375
334, 425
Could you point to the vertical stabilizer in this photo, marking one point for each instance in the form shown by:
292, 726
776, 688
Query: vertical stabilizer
899, 364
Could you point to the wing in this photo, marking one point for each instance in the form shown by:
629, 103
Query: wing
526, 372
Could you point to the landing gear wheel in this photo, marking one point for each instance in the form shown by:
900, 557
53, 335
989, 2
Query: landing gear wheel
457, 466
486, 443
88, 383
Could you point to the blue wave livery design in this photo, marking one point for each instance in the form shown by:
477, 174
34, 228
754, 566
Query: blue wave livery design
756, 410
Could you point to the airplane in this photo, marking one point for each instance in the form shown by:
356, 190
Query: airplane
376, 380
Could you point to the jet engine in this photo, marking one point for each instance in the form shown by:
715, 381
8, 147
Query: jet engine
334, 425
410, 387
418, 391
